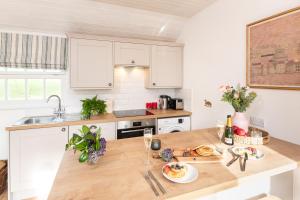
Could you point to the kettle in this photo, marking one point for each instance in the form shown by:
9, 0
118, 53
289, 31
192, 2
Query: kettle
164, 101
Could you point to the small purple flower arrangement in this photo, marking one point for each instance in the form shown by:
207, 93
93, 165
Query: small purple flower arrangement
89, 143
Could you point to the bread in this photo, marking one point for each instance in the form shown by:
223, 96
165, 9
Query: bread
204, 150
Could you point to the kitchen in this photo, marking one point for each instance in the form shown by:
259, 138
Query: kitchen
157, 51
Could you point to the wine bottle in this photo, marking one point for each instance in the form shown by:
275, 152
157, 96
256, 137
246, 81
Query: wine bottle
228, 135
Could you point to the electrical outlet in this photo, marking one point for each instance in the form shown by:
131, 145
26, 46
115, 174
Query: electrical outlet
258, 122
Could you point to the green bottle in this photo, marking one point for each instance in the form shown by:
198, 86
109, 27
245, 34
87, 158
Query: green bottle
228, 135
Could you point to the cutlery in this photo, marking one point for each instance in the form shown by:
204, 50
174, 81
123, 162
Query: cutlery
235, 158
151, 185
162, 189
243, 165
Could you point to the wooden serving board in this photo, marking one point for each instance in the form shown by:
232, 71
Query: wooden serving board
195, 158
200, 159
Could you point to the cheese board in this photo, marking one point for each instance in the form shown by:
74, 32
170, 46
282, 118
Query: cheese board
199, 154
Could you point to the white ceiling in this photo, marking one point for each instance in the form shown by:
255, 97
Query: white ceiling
95, 17
182, 8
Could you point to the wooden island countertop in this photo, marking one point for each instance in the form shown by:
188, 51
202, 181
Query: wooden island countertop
119, 173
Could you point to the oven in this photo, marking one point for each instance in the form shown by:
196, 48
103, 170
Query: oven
129, 129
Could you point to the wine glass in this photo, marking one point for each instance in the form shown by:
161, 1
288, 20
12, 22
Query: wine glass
148, 140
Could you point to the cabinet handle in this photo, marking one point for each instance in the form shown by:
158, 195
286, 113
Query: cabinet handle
63, 129
109, 84
132, 62
154, 84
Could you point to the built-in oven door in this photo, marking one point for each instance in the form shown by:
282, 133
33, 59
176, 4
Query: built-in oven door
133, 132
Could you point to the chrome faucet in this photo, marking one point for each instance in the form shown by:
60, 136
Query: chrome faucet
59, 111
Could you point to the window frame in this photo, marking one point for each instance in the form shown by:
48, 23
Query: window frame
29, 103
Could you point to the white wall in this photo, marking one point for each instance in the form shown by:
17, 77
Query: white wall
128, 93
215, 54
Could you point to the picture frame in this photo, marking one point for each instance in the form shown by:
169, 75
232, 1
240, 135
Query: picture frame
273, 52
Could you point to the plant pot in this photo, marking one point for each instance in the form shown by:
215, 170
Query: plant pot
240, 121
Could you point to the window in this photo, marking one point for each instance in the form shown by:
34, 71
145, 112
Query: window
19, 84
2, 89
15, 89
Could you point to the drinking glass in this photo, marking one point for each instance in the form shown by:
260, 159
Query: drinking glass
147, 140
256, 136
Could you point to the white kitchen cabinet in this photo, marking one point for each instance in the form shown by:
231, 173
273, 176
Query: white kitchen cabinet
91, 64
108, 130
166, 69
35, 156
132, 54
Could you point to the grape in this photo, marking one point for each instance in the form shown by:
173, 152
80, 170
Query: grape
167, 154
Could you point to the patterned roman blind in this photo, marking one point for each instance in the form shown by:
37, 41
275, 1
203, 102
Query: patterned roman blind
33, 51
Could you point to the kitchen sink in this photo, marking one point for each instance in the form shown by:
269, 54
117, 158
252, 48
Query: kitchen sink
47, 119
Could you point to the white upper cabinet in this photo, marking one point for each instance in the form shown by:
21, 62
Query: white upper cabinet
132, 54
166, 69
91, 63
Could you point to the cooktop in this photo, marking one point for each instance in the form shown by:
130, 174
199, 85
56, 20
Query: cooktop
131, 113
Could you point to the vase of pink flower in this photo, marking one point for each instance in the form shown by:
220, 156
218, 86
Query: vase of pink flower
240, 99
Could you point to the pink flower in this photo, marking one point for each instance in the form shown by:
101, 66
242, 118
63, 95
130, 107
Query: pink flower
228, 88
222, 88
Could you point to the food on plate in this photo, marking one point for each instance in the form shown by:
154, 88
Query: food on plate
204, 150
175, 170
251, 151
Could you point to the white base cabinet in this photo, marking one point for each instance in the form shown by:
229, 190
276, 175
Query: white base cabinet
35, 156
108, 130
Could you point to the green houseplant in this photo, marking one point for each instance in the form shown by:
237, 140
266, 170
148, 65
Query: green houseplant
89, 143
92, 106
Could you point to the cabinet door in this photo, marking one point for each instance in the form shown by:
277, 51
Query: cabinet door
35, 156
108, 130
166, 67
91, 64
132, 54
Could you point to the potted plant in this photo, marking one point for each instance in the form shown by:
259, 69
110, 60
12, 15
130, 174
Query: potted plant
92, 107
240, 99
89, 143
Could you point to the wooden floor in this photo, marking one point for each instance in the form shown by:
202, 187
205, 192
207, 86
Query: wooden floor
3, 181
3, 196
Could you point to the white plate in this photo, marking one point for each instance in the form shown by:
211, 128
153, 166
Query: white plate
241, 151
190, 176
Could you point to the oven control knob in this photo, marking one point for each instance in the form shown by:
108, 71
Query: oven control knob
180, 121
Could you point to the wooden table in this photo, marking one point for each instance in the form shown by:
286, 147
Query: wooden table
118, 175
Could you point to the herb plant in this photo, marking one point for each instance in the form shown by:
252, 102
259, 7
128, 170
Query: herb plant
92, 106
89, 143
240, 98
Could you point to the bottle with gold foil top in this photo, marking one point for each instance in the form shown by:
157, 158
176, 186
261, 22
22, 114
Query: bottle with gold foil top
228, 134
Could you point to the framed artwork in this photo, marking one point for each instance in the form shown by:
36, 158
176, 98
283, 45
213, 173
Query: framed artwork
273, 51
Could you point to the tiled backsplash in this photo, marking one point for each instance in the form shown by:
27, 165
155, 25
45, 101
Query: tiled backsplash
129, 91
